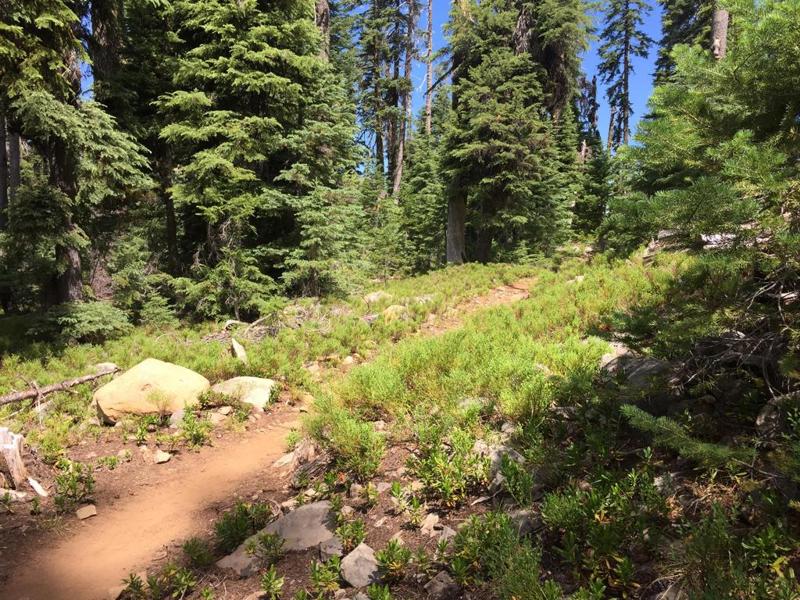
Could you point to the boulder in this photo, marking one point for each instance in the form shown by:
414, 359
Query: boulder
645, 382
301, 529
253, 390
330, 548
151, 387
375, 297
395, 312
360, 567
442, 587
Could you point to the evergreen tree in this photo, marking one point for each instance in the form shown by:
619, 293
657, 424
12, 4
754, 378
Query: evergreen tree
623, 40
264, 134
682, 22
79, 165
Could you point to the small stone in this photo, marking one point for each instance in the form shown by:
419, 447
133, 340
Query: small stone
417, 485
360, 596
238, 351
448, 533
383, 486
348, 360
162, 457
216, 418
525, 520
176, 418
347, 511
330, 548
85, 512
441, 587
225, 410
360, 567
289, 505
428, 523
356, 489
379, 425
380, 522
339, 594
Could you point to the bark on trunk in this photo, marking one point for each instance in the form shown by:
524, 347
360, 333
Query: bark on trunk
456, 225
611, 128
14, 165
719, 33
406, 118
429, 73
323, 11
3, 173
69, 282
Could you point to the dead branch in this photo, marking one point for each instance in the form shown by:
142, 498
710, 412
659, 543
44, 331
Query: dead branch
38, 392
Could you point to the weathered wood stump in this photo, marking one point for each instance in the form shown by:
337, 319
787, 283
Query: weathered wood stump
11, 463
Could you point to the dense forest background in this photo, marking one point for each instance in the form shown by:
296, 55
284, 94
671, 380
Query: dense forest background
230, 153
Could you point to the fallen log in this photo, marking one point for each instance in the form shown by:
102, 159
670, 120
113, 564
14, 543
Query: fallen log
38, 392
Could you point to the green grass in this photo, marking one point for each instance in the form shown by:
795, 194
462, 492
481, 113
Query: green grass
329, 328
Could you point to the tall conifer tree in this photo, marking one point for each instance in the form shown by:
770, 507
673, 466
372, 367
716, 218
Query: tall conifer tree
623, 41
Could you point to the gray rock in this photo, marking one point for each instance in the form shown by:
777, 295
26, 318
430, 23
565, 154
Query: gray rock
161, 457
256, 391
360, 596
428, 523
442, 587
525, 521
383, 486
238, 351
375, 297
301, 529
448, 533
330, 548
176, 418
305, 527
360, 567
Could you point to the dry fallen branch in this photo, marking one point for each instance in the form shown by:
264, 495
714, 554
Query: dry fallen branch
38, 392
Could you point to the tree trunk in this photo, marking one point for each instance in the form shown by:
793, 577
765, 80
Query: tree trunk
69, 281
406, 118
3, 174
105, 42
429, 73
719, 33
323, 11
611, 128
456, 226
626, 105
14, 165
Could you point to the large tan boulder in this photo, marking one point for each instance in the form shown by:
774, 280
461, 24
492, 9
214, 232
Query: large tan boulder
252, 390
151, 387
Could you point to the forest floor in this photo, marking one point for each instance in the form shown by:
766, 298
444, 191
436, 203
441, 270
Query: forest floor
146, 511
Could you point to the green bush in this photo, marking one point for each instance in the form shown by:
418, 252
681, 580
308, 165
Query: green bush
89, 322
74, 483
239, 523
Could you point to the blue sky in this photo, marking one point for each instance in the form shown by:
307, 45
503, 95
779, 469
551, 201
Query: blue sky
643, 68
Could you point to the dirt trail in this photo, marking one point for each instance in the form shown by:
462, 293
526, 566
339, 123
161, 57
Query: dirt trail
178, 501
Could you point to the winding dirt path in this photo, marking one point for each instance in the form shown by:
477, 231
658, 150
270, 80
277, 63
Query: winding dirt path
178, 499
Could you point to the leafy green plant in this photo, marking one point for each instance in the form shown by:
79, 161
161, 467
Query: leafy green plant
74, 483
325, 576
195, 431
379, 592
272, 584
517, 481
198, 553
266, 547
239, 523
449, 471
394, 560
351, 533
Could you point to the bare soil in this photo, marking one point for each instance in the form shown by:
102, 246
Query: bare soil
146, 511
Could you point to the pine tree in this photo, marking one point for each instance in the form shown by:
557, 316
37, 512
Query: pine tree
264, 132
83, 163
623, 40
683, 22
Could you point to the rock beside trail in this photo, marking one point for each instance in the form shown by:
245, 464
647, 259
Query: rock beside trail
442, 587
84, 512
151, 387
238, 351
301, 529
161, 457
644, 381
395, 312
375, 297
360, 567
255, 391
